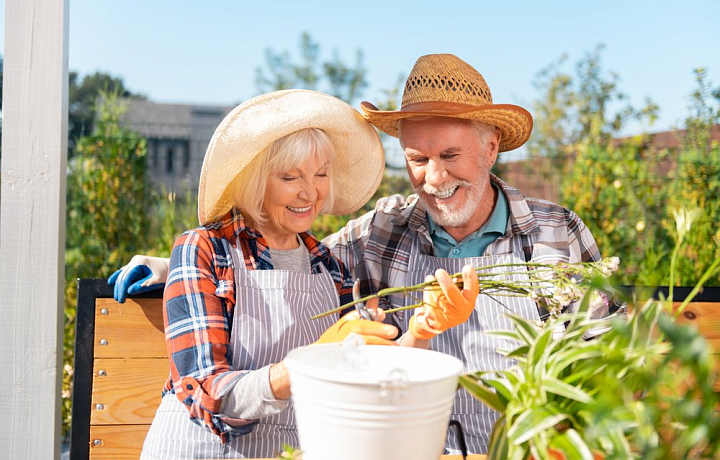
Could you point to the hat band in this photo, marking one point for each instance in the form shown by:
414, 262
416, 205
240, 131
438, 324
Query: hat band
439, 106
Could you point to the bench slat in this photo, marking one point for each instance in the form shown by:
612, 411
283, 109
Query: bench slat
117, 442
130, 392
705, 315
133, 329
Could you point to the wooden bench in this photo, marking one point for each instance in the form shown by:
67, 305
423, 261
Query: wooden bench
121, 365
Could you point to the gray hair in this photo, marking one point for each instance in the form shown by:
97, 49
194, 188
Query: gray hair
286, 153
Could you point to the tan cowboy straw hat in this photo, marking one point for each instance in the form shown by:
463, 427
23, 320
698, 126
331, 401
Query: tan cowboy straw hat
253, 125
443, 85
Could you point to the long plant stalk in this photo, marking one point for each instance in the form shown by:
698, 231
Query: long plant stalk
536, 280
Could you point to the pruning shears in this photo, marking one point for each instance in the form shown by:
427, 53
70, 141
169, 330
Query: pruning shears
361, 308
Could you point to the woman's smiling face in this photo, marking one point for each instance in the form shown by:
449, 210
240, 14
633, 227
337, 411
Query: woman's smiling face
294, 198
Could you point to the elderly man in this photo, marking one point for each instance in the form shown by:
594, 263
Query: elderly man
451, 133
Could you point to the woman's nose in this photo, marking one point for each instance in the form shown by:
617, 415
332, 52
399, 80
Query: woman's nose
308, 191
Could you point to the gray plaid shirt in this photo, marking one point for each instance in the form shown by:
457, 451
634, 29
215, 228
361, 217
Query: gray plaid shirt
376, 246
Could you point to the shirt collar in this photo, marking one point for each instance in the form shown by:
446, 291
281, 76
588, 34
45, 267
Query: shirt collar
235, 223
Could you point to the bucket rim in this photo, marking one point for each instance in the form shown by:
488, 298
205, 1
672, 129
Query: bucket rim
367, 379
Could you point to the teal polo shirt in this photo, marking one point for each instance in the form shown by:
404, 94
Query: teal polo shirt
473, 245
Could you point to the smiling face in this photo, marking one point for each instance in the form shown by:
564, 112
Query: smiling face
293, 199
286, 186
449, 167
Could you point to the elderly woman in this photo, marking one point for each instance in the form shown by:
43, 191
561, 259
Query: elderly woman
242, 287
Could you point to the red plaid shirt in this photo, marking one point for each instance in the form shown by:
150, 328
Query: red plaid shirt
199, 301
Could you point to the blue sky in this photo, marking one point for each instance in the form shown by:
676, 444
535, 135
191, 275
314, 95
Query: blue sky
206, 52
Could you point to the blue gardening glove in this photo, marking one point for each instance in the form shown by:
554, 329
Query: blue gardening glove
142, 274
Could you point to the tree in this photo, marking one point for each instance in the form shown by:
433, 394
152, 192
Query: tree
106, 198
82, 94
704, 113
333, 76
576, 110
626, 195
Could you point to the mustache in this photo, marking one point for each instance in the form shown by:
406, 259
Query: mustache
430, 190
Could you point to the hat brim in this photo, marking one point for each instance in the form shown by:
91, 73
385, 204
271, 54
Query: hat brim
515, 123
255, 124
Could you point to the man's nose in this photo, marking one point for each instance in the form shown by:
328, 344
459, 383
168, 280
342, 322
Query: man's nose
435, 173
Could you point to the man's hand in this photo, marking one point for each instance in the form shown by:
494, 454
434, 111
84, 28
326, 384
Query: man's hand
372, 332
142, 274
446, 307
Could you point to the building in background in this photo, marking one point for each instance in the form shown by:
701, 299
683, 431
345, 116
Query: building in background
177, 137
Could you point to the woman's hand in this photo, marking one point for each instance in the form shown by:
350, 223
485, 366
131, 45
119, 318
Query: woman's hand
447, 307
373, 332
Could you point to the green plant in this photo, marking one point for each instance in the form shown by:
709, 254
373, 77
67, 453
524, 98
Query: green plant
106, 198
643, 389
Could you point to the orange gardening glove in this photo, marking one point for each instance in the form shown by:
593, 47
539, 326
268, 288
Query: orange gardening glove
372, 332
446, 307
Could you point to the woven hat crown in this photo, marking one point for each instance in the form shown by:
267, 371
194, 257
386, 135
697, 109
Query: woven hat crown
447, 78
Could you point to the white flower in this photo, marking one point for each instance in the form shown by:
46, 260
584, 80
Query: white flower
684, 219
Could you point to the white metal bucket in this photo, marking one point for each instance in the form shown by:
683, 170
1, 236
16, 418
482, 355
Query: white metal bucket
372, 402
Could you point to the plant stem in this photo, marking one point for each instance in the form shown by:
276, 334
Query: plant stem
708, 273
673, 260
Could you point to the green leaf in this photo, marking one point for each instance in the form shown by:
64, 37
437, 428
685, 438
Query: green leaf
540, 346
572, 445
498, 447
533, 421
560, 388
503, 389
479, 391
565, 358
524, 328
519, 353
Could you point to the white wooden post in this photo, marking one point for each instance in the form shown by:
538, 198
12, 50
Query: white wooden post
32, 225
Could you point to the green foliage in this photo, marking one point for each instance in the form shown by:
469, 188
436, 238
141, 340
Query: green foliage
82, 94
333, 77
106, 188
704, 113
623, 194
623, 191
580, 108
618, 395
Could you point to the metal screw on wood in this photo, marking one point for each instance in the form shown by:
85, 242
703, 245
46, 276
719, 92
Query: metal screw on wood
97, 442
102, 373
103, 342
104, 311
99, 407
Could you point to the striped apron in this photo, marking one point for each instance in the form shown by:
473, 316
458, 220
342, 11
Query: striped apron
271, 317
468, 342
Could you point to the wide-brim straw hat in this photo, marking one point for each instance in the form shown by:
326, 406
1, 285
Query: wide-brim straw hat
255, 124
443, 85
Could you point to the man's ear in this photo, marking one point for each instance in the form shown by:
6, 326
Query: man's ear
494, 145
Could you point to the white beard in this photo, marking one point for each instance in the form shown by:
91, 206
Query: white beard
454, 215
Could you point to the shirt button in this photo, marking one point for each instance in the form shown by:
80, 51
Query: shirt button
456, 251
189, 386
